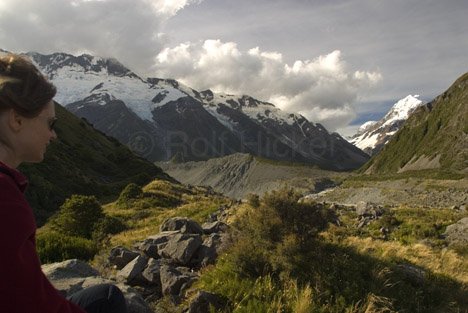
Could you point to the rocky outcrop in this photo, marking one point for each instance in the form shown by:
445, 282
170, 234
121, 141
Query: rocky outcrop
167, 263
457, 233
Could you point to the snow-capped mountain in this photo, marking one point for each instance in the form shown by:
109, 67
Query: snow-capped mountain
163, 119
373, 135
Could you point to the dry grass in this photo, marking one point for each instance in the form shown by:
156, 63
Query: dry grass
439, 261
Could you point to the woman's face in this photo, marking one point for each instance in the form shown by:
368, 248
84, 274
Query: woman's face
35, 135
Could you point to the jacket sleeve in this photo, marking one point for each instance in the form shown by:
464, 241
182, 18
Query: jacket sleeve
23, 285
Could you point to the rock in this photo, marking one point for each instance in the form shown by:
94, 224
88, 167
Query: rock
209, 250
151, 272
132, 273
413, 274
214, 227
180, 248
120, 256
72, 276
205, 302
150, 250
457, 233
182, 224
363, 208
162, 237
172, 279
135, 302
69, 269
463, 208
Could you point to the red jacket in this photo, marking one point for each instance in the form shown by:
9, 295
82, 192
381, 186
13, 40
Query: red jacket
23, 286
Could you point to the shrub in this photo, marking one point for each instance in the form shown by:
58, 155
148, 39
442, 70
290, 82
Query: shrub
107, 226
77, 216
253, 200
56, 247
130, 192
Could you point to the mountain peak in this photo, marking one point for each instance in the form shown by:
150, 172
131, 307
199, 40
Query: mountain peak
373, 135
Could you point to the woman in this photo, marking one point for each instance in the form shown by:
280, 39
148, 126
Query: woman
27, 118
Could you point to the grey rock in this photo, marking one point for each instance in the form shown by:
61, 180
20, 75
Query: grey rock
132, 273
205, 301
209, 250
172, 279
214, 227
457, 233
182, 224
69, 269
120, 256
162, 237
150, 250
180, 248
151, 272
72, 276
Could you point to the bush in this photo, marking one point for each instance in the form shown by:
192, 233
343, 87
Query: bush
253, 200
56, 247
77, 216
107, 226
129, 193
303, 220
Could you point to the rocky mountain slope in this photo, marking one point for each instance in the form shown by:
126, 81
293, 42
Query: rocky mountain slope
162, 119
83, 161
435, 137
239, 174
373, 135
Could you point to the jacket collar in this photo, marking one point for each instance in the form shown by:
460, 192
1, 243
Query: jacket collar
20, 180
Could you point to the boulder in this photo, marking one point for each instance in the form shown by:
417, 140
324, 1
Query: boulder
69, 269
72, 276
368, 209
132, 273
173, 279
180, 248
209, 250
182, 224
150, 250
205, 302
120, 256
457, 233
151, 272
214, 227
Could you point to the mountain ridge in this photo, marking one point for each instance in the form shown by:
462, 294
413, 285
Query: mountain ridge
249, 125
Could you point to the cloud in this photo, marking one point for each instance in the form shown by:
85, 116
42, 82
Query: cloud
129, 30
323, 89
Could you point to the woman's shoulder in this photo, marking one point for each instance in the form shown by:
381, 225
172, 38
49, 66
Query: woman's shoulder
9, 190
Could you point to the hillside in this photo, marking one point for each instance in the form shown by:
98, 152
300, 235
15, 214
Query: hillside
434, 137
82, 161
239, 174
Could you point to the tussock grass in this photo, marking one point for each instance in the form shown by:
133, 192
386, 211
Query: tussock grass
440, 261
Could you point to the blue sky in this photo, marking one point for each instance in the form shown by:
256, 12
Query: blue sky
338, 62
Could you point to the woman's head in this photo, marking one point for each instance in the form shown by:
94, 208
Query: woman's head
27, 111
22, 87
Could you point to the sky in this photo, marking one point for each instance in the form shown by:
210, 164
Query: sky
337, 62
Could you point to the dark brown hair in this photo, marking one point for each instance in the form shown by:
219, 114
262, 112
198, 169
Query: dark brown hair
23, 87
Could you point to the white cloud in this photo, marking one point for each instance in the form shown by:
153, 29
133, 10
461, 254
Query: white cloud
129, 30
323, 89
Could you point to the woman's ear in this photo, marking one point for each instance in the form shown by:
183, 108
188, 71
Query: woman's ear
15, 121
